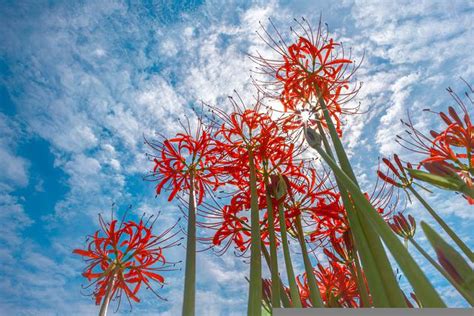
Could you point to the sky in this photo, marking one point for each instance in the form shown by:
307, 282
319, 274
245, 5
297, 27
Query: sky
82, 83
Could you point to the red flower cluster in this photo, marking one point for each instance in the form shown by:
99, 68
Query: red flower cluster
249, 134
402, 226
403, 179
449, 152
311, 69
184, 156
330, 219
337, 286
308, 73
123, 257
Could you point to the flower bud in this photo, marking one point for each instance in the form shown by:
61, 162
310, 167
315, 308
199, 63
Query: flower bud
312, 137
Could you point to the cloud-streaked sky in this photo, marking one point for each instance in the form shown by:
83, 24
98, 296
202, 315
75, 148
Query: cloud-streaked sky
81, 83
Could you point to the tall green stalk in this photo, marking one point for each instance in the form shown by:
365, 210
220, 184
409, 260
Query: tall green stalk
189, 297
273, 248
283, 296
108, 296
468, 296
314, 293
294, 292
255, 284
421, 285
378, 271
443, 224
364, 294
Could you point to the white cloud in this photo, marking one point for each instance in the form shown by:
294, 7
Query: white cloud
14, 168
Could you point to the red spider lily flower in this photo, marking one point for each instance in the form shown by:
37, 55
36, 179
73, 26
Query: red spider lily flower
245, 133
234, 222
313, 66
248, 132
234, 226
304, 189
120, 258
342, 249
182, 156
400, 177
450, 151
337, 286
403, 227
329, 217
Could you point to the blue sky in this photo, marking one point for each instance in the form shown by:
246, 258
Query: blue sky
82, 82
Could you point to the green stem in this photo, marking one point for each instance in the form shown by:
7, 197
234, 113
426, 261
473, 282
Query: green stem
255, 284
107, 297
273, 249
189, 297
468, 296
377, 268
294, 292
364, 294
283, 296
314, 293
443, 224
423, 288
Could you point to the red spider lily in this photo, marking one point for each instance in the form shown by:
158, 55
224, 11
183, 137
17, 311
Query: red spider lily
234, 226
313, 66
307, 73
342, 249
249, 131
183, 155
245, 133
123, 257
403, 227
400, 178
329, 217
450, 151
234, 222
337, 285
